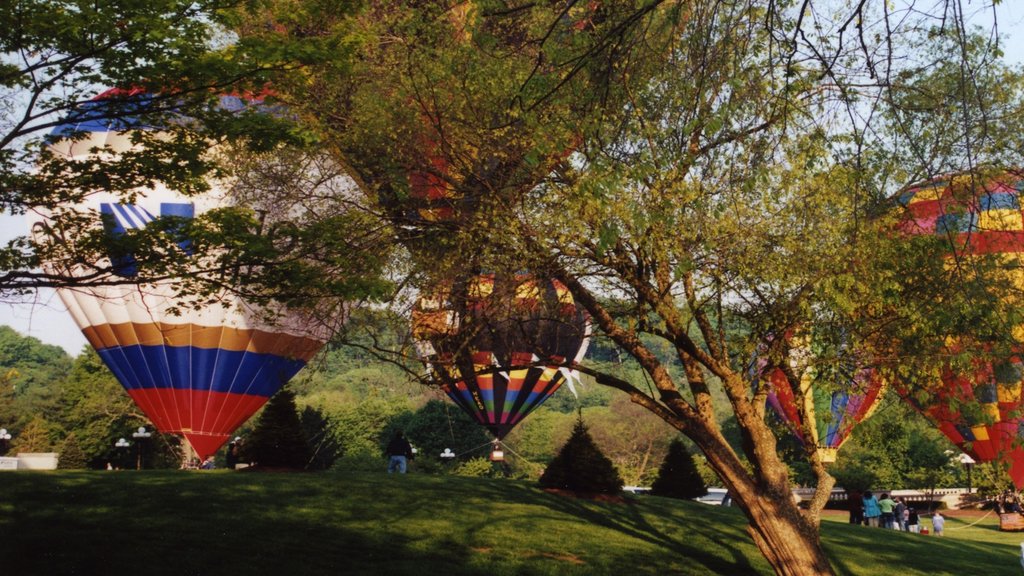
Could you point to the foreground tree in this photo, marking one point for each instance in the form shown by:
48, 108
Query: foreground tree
702, 162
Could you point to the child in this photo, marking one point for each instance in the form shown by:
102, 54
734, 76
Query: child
913, 521
938, 522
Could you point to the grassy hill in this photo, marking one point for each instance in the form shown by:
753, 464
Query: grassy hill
221, 522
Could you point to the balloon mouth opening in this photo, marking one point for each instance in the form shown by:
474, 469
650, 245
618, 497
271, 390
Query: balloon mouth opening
205, 445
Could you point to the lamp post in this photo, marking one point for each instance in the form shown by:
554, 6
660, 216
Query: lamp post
968, 464
122, 449
5, 437
140, 435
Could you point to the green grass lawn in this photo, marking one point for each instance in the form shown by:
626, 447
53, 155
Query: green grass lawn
279, 524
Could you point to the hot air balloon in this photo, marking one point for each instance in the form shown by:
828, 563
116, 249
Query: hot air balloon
834, 400
979, 409
500, 345
198, 372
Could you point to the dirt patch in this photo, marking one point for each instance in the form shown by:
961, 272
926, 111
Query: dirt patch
595, 496
482, 550
570, 558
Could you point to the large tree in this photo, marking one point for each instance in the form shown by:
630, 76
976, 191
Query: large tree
700, 174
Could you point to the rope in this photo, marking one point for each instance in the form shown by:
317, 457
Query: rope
506, 447
489, 443
973, 523
520, 456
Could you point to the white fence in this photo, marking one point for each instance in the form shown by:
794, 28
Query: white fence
30, 461
950, 496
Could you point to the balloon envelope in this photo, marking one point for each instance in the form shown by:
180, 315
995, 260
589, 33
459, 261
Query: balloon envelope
978, 409
499, 346
833, 401
199, 372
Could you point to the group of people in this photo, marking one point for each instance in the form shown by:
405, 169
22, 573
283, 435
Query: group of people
886, 512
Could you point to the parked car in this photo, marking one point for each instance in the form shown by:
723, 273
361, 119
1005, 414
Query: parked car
637, 489
714, 497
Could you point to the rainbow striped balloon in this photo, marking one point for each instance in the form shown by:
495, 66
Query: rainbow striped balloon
199, 373
500, 345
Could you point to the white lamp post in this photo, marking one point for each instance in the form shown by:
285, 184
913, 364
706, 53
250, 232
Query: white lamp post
968, 463
140, 435
122, 448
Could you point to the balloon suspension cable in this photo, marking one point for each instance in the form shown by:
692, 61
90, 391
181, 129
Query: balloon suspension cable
517, 455
487, 444
498, 442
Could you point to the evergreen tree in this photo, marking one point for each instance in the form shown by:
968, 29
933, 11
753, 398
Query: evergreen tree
72, 456
678, 476
278, 440
580, 466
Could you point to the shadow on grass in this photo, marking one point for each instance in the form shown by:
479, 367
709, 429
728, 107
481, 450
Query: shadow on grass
715, 543
866, 550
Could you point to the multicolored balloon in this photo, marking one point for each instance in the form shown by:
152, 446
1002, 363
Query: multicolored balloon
834, 401
980, 410
500, 345
199, 372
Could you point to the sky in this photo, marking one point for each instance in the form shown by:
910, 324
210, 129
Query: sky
45, 317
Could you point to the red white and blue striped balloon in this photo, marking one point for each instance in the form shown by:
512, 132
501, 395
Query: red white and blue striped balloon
199, 373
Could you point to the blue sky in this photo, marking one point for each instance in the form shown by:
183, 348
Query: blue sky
44, 316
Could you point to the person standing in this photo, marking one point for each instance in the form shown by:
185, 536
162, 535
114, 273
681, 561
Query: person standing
913, 521
887, 506
901, 515
231, 457
399, 451
855, 500
938, 523
871, 509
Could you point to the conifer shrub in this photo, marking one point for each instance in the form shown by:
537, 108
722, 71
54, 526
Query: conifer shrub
72, 456
678, 476
278, 440
581, 467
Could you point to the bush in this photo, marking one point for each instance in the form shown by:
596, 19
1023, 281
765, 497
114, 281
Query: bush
360, 461
580, 466
678, 476
476, 468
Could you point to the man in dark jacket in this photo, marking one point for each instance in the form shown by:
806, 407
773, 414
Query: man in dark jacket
399, 450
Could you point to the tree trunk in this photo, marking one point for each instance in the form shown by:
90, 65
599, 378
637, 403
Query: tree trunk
784, 535
786, 539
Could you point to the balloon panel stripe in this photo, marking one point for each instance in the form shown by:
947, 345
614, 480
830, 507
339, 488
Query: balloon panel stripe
187, 417
126, 334
265, 371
